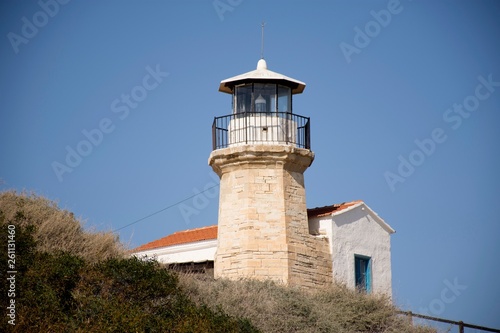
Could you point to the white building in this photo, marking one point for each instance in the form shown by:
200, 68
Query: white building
359, 242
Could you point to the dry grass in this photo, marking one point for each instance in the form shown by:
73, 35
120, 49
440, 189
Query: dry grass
57, 229
274, 308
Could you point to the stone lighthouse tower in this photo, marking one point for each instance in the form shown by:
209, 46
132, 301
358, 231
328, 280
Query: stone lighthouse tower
260, 153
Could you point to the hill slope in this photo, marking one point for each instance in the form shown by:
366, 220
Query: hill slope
71, 280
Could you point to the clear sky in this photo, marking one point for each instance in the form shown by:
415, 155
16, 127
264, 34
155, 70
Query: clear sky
107, 107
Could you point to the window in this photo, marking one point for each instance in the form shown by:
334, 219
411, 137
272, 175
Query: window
243, 98
266, 94
284, 99
363, 274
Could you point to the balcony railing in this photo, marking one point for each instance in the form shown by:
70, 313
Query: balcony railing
261, 128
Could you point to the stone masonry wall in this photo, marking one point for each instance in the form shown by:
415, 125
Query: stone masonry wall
310, 261
263, 231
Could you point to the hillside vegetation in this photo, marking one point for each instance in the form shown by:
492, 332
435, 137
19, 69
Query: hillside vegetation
55, 229
274, 309
72, 280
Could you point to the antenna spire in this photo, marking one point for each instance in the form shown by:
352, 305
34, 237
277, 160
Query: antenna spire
262, 44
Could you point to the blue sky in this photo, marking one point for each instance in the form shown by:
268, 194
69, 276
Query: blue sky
403, 97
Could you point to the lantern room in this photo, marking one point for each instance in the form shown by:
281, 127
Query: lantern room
262, 97
261, 111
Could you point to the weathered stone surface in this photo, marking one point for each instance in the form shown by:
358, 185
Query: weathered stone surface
263, 231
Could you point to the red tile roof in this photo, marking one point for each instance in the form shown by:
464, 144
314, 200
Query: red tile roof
210, 232
181, 237
328, 210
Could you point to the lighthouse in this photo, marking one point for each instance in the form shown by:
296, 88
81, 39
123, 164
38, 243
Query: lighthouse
264, 230
260, 152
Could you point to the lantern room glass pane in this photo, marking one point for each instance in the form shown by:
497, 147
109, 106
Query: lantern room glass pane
243, 98
268, 93
284, 99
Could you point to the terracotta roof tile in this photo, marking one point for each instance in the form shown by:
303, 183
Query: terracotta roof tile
181, 237
328, 210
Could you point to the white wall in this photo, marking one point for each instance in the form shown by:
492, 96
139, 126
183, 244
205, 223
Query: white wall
183, 253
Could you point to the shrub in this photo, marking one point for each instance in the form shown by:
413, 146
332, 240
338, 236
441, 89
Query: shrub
129, 295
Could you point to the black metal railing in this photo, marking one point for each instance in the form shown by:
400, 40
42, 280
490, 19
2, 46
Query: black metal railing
461, 325
261, 128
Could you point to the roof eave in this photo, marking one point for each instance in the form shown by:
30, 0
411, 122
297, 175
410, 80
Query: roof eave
228, 87
261, 75
174, 248
377, 218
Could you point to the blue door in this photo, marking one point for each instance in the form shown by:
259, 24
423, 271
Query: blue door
363, 274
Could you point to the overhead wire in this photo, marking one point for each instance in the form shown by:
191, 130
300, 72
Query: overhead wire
164, 209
